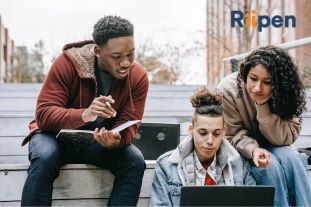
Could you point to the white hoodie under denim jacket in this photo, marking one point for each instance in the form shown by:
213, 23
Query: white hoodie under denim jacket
175, 169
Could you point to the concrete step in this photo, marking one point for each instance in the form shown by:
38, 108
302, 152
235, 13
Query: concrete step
160, 98
13, 153
165, 104
69, 188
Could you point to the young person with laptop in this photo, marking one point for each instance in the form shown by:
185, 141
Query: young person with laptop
203, 158
262, 106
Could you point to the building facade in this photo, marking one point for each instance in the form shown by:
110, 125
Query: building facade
224, 39
6, 53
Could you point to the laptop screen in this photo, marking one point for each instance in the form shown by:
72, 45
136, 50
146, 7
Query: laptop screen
227, 196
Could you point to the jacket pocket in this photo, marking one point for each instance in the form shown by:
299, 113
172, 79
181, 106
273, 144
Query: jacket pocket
174, 187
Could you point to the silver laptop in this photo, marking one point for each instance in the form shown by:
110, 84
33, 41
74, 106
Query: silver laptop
227, 195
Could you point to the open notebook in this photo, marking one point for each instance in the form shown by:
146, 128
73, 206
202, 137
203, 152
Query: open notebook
79, 138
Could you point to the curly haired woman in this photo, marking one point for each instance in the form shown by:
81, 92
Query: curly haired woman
263, 103
203, 158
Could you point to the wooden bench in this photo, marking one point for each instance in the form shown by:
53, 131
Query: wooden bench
165, 104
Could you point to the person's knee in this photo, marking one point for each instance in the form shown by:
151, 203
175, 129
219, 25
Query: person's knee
272, 170
135, 158
287, 156
304, 159
44, 151
138, 159
48, 155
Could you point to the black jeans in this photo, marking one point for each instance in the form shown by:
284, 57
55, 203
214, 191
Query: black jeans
47, 155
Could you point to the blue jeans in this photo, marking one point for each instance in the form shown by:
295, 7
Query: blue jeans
288, 173
47, 155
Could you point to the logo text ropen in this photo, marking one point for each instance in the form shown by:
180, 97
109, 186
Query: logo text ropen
251, 20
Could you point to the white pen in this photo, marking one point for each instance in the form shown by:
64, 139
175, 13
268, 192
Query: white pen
108, 104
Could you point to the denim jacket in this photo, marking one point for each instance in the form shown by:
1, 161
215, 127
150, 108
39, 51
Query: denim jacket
173, 170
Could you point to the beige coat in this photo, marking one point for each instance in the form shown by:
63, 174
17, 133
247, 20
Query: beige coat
250, 124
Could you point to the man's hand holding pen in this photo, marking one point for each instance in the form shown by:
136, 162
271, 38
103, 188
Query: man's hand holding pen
101, 106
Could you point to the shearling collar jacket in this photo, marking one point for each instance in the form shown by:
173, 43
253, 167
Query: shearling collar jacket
220, 168
70, 87
175, 169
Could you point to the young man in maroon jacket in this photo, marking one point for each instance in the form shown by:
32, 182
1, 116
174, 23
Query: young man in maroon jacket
94, 85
